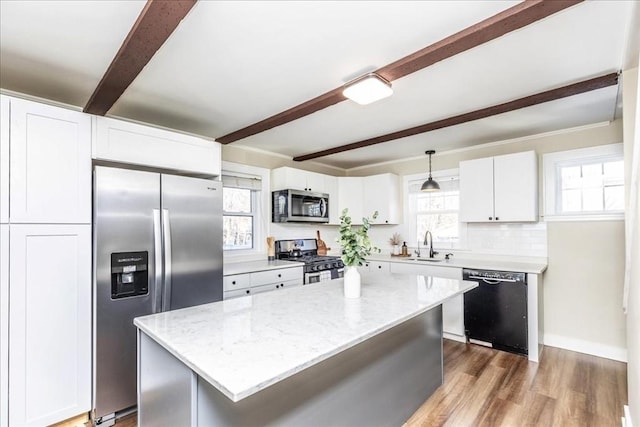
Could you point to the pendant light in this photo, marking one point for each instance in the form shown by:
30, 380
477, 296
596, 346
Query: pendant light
430, 184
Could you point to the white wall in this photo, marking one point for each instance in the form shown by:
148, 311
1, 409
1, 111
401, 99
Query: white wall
631, 118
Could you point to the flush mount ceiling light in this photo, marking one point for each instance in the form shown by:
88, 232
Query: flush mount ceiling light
430, 184
367, 89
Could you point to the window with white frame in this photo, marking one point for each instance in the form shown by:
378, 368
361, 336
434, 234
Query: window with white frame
241, 208
437, 212
585, 183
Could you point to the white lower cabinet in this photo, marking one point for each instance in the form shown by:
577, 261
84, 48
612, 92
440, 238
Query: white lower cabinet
49, 369
375, 266
4, 324
453, 309
238, 285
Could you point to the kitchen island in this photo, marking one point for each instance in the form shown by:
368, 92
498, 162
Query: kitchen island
303, 356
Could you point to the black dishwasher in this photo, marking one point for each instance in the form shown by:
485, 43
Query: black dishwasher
495, 313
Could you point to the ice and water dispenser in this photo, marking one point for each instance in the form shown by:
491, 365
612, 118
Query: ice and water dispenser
129, 274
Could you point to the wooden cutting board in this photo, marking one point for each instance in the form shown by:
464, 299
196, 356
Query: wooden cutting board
322, 246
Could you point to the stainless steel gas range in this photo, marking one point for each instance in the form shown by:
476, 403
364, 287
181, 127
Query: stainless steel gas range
317, 268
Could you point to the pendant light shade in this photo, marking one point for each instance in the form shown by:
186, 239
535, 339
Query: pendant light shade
430, 184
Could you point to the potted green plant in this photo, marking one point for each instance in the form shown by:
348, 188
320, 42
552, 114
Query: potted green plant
356, 246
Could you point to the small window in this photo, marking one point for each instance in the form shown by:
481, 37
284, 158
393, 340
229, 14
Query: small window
240, 207
238, 218
585, 184
437, 212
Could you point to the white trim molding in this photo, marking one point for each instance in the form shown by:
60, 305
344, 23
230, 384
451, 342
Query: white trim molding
586, 347
551, 163
626, 420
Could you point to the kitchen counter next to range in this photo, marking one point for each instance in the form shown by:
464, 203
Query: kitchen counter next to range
231, 268
498, 263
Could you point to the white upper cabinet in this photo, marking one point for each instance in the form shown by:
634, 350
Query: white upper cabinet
120, 141
350, 191
4, 159
499, 189
382, 194
285, 178
50, 162
516, 187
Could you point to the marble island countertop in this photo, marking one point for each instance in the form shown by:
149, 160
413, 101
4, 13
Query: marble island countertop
244, 345
517, 264
231, 268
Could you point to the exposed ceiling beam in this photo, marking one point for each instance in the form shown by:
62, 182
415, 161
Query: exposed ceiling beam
156, 22
528, 101
511, 19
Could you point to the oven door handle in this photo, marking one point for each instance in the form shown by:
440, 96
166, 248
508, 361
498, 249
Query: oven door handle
323, 207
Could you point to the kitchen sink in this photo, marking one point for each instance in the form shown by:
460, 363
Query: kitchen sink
426, 259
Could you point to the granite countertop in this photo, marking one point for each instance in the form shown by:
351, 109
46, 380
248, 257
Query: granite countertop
253, 266
244, 345
522, 265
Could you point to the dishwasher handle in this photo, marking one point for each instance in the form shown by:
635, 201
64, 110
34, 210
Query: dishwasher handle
492, 281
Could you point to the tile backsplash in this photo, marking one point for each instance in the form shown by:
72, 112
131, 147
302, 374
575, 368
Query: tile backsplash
508, 239
529, 240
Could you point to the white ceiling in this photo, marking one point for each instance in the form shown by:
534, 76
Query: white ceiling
230, 64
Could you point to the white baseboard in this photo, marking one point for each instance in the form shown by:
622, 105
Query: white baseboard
626, 420
454, 337
586, 347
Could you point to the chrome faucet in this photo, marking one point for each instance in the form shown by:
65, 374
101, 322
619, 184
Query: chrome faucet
429, 242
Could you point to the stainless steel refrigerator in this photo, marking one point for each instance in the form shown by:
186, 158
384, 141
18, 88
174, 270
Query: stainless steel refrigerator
157, 246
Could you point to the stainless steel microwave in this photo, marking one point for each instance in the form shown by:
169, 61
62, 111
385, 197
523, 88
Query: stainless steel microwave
299, 206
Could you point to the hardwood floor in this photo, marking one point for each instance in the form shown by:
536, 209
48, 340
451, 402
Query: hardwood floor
485, 387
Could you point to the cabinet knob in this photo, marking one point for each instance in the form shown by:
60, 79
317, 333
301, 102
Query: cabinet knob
490, 218
386, 221
379, 266
248, 291
233, 283
497, 218
279, 275
277, 286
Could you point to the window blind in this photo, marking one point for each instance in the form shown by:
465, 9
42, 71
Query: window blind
249, 182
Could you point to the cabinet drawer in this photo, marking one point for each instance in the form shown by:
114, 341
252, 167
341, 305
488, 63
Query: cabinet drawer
379, 266
288, 284
235, 293
236, 281
273, 276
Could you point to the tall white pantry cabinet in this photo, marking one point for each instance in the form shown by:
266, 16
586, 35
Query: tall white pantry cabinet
45, 255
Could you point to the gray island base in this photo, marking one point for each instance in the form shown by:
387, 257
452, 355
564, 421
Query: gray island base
371, 361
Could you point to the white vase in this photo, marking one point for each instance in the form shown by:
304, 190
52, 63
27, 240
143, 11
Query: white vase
396, 249
351, 282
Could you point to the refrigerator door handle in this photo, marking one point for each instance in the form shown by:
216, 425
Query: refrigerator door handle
166, 230
157, 269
